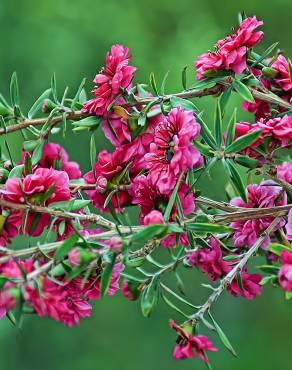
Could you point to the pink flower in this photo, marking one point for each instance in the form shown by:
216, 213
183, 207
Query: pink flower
250, 286
34, 190
231, 52
7, 302
116, 75
172, 153
74, 257
259, 196
285, 272
284, 172
283, 80
153, 217
115, 244
188, 345
126, 291
279, 129
209, 260
260, 108
61, 303
107, 170
147, 196
54, 156
208, 62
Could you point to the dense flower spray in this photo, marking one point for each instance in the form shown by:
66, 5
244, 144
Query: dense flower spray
139, 209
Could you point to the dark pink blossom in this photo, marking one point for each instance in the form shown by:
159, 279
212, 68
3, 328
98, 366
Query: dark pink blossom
172, 152
147, 196
116, 75
107, 169
32, 189
188, 345
284, 172
250, 288
74, 257
153, 217
231, 52
283, 79
210, 260
285, 272
259, 196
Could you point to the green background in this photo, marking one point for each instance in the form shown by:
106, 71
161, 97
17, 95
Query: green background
71, 38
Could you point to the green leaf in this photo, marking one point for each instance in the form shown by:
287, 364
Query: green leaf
243, 142
91, 122
184, 103
207, 134
149, 232
236, 179
27, 164
149, 297
92, 150
107, 273
76, 97
231, 128
172, 199
14, 90
201, 227
109, 197
16, 171
30, 145
224, 98
222, 336
173, 306
270, 269
163, 83
38, 103
184, 77
71, 205
54, 88
277, 248
243, 91
265, 54
218, 124
37, 153
153, 84
246, 161
66, 247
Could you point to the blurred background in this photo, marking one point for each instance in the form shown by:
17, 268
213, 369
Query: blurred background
71, 39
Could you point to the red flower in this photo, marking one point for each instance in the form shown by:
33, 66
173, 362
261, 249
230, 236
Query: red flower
116, 75
188, 345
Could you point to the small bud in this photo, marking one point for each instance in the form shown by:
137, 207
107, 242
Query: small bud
48, 105
116, 244
74, 257
153, 217
79, 256
269, 72
101, 184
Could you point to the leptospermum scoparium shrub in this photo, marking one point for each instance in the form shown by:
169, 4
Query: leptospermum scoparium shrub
162, 146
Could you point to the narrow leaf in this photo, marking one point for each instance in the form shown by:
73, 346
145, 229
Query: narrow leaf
243, 91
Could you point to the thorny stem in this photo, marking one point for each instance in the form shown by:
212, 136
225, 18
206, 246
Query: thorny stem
92, 218
215, 90
227, 280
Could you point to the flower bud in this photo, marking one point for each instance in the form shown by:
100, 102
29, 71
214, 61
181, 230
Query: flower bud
74, 257
116, 244
153, 217
101, 184
79, 256
269, 72
48, 105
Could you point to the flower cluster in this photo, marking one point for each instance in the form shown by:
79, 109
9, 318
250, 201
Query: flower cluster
161, 150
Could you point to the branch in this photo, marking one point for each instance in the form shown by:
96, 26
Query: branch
194, 93
227, 280
74, 116
92, 218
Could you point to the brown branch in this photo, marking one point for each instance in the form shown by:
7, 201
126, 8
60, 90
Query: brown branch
75, 116
92, 218
227, 280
